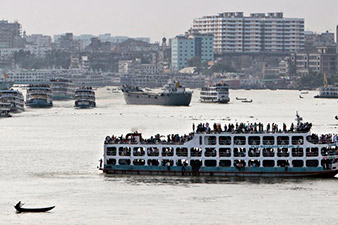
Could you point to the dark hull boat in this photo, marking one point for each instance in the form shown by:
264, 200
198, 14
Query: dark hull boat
19, 209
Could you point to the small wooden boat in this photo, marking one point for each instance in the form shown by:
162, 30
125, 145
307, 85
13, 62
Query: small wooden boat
300, 96
247, 101
19, 209
336, 117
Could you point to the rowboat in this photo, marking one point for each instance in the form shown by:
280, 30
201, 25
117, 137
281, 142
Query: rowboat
19, 209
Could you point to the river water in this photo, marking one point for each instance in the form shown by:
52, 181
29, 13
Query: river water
50, 157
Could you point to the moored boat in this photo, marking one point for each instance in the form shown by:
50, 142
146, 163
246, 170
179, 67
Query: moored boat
5, 107
62, 89
15, 98
235, 150
173, 94
85, 98
39, 96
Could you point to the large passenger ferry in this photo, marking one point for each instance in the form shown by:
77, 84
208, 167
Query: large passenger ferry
328, 91
39, 96
15, 98
218, 93
5, 108
85, 97
62, 89
235, 150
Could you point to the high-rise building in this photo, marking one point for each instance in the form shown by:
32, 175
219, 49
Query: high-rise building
259, 32
184, 48
10, 34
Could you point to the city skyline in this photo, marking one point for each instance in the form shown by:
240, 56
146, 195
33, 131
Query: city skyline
150, 18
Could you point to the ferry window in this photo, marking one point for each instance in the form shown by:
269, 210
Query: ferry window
210, 152
311, 152
297, 140
283, 163
153, 162
297, 163
124, 162
210, 163
153, 151
239, 140
254, 140
268, 163
312, 139
182, 162
254, 152
239, 152
326, 164
240, 164
268, 152
282, 140
124, 151
167, 151
195, 152
181, 152
268, 140
210, 140
297, 152
225, 140
195, 165
312, 163
225, 152
167, 162
254, 163
225, 163
283, 152
111, 151
138, 151
139, 162
328, 151
111, 161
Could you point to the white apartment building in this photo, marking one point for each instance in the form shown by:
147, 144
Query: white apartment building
259, 32
184, 48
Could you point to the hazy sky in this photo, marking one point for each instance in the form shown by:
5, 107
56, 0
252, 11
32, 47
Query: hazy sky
151, 18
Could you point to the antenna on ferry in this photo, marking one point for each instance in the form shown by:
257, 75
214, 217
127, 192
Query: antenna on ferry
298, 119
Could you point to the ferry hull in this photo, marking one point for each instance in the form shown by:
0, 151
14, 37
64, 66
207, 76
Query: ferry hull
84, 104
231, 172
39, 104
172, 99
62, 98
328, 96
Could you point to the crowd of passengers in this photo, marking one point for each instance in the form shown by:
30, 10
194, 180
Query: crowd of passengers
251, 128
157, 139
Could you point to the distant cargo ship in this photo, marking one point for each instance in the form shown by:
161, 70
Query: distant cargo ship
62, 89
218, 93
173, 94
39, 96
85, 98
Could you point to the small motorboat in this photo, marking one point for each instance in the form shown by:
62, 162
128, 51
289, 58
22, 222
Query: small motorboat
19, 209
247, 101
240, 98
304, 92
300, 96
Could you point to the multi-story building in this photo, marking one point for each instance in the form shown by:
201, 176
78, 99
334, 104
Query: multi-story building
10, 34
325, 60
184, 48
39, 40
259, 32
